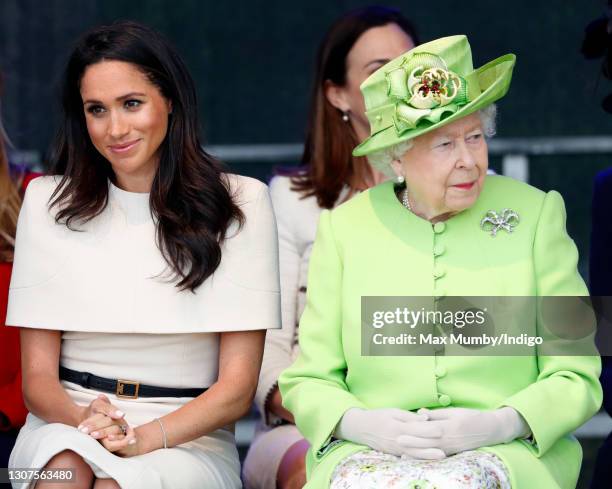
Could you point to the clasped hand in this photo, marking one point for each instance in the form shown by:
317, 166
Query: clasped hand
393, 431
107, 424
430, 434
467, 429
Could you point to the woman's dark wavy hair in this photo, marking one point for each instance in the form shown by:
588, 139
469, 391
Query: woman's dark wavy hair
190, 198
327, 162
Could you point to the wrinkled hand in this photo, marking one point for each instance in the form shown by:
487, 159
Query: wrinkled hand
392, 431
107, 424
468, 429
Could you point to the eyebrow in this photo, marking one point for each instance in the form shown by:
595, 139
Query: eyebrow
382, 61
454, 134
118, 99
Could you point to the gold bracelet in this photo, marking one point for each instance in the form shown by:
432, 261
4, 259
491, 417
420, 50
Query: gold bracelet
161, 425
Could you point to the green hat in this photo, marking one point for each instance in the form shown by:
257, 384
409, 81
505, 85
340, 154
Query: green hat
429, 86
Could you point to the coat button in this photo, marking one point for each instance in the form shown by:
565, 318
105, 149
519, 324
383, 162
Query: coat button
439, 294
439, 272
439, 249
439, 227
440, 371
444, 400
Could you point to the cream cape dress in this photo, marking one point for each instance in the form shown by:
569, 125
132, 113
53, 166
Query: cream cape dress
104, 288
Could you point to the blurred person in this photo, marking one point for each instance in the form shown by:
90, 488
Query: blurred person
355, 46
136, 362
597, 43
13, 182
600, 285
450, 418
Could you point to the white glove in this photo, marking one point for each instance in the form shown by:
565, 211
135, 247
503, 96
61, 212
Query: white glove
393, 431
468, 429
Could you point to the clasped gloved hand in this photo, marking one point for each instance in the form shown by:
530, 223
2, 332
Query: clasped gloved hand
468, 429
392, 431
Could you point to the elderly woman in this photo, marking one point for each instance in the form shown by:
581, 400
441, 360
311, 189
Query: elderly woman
437, 420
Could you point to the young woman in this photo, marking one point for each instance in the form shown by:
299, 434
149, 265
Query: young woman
154, 274
355, 46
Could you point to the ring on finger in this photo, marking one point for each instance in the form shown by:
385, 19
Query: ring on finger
123, 428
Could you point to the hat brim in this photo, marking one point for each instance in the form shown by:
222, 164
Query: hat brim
494, 79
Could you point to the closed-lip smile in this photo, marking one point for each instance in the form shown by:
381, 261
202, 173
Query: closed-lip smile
124, 147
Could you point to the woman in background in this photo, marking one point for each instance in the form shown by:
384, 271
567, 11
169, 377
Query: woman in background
597, 43
355, 46
12, 409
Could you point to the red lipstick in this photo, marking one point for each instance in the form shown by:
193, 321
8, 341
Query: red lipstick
465, 186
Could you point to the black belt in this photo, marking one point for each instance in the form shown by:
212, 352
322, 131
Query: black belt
126, 389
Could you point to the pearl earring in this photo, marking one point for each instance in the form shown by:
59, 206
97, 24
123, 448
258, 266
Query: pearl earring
345, 116
400, 179
405, 201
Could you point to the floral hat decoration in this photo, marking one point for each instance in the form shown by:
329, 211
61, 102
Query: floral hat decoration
427, 87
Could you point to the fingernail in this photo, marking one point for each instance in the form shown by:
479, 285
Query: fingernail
132, 441
95, 433
121, 414
84, 429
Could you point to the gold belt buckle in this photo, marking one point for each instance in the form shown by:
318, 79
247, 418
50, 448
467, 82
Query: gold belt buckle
121, 385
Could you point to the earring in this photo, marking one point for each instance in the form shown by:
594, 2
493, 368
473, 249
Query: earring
400, 179
405, 201
345, 116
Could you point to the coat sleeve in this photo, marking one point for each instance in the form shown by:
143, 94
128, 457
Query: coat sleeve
600, 260
600, 264
279, 342
11, 398
314, 387
567, 391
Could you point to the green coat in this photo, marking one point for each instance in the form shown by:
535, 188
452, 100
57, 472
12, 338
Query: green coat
372, 246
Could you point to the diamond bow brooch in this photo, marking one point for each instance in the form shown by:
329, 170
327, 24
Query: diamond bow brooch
493, 222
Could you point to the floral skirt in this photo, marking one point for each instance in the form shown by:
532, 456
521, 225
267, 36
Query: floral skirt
375, 470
